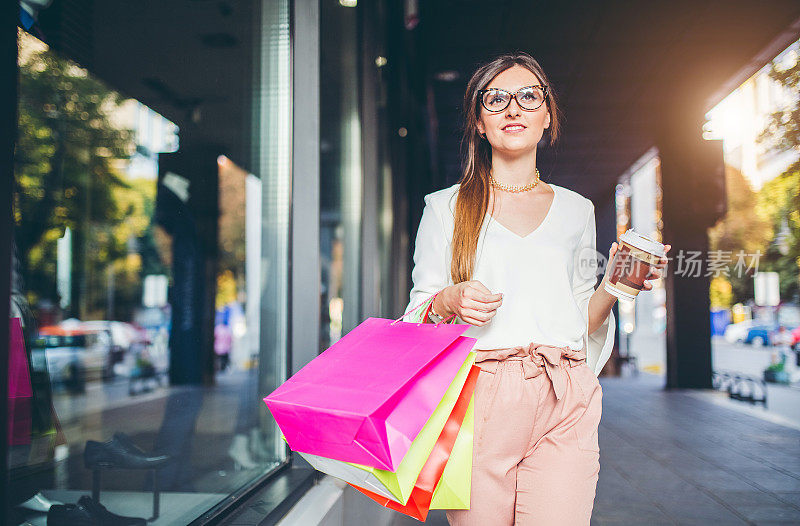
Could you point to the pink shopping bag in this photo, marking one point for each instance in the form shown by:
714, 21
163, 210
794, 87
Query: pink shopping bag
19, 388
365, 399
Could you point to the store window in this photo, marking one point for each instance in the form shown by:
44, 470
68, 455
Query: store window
340, 171
150, 280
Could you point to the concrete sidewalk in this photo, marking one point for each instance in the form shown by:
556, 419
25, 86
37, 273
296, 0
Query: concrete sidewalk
687, 457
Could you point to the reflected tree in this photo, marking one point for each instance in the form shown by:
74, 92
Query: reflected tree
69, 159
779, 199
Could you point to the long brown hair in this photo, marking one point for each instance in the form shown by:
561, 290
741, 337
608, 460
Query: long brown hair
476, 152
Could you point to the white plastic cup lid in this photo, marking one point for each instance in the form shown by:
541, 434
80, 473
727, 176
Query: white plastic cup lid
643, 243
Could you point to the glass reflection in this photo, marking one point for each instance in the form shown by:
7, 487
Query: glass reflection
340, 172
136, 319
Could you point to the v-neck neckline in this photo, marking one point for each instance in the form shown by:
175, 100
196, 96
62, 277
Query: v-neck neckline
539, 227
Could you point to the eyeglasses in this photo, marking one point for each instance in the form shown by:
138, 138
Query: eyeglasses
528, 98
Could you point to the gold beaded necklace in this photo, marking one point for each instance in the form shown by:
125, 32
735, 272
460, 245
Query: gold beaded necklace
514, 187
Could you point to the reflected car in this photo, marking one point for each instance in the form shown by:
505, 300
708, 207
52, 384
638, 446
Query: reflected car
737, 332
124, 337
75, 357
759, 335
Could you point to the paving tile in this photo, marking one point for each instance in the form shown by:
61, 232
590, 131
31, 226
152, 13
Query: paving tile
688, 514
792, 497
775, 481
687, 521
759, 512
654, 487
748, 498
721, 481
775, 459
627, 522
631, 493
683, 521
687, 501
630, 516
631, 499
637, 472
794, 470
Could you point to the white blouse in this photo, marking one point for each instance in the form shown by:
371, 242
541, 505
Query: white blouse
546, 277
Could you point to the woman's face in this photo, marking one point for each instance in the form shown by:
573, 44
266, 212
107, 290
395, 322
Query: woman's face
514, 130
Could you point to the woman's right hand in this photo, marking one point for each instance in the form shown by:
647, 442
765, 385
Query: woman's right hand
470, 300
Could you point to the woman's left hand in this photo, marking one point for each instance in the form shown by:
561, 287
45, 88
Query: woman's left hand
656, 271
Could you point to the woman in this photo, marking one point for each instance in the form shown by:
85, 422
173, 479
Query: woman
515, 258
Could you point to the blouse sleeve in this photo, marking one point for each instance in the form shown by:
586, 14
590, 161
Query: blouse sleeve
599, 343
430, 273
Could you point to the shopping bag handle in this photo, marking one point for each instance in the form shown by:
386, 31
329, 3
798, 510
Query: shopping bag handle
420, 305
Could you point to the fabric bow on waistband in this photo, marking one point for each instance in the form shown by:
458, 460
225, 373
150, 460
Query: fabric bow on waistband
535, 359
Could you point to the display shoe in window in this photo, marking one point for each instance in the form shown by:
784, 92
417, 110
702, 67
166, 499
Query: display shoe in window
87, 512
38, 503
240, 453
119, 452
258, 446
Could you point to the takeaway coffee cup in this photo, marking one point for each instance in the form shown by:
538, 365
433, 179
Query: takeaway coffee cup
631, 264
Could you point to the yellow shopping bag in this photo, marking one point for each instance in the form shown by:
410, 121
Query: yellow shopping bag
453, 490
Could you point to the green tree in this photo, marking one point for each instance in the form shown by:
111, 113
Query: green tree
739, 230
779, 200
779, 203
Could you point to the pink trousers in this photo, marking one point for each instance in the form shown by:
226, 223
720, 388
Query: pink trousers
535, 452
